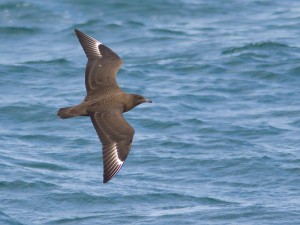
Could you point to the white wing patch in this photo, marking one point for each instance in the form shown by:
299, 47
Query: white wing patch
96, 48
116, 156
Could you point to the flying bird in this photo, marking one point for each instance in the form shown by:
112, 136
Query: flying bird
105, 104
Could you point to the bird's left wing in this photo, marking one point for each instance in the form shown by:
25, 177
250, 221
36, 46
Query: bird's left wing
102, 67
116, 136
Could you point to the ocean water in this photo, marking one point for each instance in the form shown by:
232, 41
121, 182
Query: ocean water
220, 144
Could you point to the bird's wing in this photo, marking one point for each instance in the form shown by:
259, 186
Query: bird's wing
116, 136
102, 67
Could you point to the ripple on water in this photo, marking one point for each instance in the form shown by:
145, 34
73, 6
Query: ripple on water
20, 185
268, 45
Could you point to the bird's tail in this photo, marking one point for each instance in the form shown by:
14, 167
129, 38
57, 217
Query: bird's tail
68, 112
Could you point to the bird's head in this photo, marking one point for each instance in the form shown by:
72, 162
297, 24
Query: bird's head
136, 100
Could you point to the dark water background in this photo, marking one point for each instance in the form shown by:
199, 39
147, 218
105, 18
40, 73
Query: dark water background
219, 145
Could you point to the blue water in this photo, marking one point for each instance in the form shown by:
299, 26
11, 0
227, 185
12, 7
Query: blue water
218, 145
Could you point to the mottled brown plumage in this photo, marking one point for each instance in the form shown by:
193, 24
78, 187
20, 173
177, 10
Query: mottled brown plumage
105, 103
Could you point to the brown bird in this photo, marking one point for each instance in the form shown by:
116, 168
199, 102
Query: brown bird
105, 103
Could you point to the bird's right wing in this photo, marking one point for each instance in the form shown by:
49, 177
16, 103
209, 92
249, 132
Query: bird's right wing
102, 67
116, 136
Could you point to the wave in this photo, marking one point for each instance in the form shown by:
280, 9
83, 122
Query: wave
255, 46
43, 165
6, 219
60, 61
18, 30
167, 31
21, 185
74, 219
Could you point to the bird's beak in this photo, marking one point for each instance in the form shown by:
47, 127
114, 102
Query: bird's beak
147, 100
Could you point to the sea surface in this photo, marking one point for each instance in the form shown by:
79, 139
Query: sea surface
220, 144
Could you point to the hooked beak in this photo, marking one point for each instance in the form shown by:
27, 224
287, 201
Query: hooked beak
147, 100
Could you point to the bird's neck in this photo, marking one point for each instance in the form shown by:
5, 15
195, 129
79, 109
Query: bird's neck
128, 103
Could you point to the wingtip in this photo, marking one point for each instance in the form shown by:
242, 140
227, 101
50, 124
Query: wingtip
76, 31
106, 179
